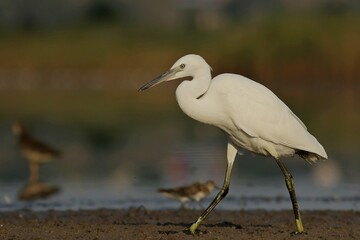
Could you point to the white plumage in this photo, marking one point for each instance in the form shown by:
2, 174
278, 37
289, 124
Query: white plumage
257, 120
253, 117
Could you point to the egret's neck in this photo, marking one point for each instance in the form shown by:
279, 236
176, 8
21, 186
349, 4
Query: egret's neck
191, 95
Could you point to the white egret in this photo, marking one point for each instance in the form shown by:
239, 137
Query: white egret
254, 118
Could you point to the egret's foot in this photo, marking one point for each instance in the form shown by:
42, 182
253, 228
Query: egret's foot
196, 232
193, 228
299, 225
298, 233
195, 225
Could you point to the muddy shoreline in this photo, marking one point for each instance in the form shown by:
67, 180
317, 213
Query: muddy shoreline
140, 223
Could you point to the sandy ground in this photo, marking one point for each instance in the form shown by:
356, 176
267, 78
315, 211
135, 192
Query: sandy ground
139, 223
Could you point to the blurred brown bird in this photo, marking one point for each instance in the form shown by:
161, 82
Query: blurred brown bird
36, 190
195, 192
35, 151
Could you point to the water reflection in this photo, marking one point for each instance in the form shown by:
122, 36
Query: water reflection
268, 195
327, 174
36, 190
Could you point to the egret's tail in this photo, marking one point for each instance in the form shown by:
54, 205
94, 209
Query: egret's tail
313, 151
310, 157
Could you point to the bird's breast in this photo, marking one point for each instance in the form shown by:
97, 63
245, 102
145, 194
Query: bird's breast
260, 146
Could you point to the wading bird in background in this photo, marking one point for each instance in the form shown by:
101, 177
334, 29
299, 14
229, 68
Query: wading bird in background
197, 191
35, 151
253, 117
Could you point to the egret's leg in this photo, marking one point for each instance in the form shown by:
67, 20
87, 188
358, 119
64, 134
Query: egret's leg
231, 153
291, 187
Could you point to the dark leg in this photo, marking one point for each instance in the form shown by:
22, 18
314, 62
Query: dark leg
34, 172
291, 187
231, 153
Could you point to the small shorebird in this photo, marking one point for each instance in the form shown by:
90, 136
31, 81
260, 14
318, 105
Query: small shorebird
194, 192
35, 151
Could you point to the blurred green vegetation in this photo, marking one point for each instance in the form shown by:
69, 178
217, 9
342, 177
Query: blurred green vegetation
309, 59
298, 46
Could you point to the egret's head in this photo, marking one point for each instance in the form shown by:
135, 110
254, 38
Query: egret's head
186, 66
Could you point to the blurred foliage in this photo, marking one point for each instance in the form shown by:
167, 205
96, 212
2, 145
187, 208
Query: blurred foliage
306, 58
84, 74
275, 47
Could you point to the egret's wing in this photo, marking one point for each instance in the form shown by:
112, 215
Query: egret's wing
257, 111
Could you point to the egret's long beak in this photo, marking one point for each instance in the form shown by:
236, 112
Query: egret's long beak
163, 77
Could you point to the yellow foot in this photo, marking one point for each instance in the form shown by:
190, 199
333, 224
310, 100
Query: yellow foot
300, 228
193, 228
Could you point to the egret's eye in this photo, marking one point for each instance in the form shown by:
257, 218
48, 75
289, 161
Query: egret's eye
182, 66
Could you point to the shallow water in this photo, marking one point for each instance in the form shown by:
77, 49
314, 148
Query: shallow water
129, 167
253, 196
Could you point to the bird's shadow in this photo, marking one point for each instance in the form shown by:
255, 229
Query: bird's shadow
181, 224
187, 231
